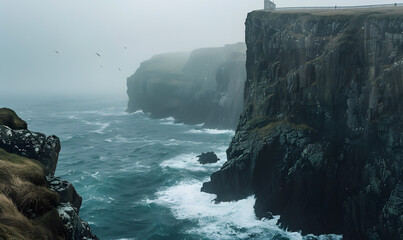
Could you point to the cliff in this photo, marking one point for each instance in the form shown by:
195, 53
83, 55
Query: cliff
34, 204
320, 139
204, 86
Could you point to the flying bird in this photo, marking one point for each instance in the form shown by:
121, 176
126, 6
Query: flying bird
57, 52
120, 69
98, 55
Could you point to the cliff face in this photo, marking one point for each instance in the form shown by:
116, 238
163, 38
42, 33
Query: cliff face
34, 204
320, 139
204, 86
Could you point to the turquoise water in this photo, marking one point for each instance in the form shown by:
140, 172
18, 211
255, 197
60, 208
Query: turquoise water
139, 177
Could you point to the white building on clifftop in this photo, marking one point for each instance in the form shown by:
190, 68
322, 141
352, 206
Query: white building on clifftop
269, 5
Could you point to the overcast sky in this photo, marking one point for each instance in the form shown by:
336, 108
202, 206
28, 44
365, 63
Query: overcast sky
123, 32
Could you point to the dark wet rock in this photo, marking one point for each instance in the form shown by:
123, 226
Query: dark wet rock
320, 138
66, 191
9, 118
32, 145
204, 86
38, 146
208, 157
76, 228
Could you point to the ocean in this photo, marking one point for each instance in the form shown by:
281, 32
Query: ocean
139, 177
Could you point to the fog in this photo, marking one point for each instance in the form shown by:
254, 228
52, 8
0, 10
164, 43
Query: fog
49, 47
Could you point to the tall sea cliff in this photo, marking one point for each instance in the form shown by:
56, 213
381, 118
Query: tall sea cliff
34, 204
320, 138
204, 86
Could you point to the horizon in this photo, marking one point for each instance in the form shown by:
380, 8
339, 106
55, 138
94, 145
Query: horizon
90, 48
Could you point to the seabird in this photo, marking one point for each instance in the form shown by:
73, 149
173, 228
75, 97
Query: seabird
98, 55
57, 52
120, 69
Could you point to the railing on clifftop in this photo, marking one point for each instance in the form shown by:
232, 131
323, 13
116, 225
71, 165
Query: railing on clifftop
342, 7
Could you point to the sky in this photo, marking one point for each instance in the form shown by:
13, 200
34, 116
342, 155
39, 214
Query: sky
123, 32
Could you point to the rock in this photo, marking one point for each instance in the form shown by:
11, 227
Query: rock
208, 157
76, 228
32, 145
204, 86
320, 139
37, 146
9, 118
66, 191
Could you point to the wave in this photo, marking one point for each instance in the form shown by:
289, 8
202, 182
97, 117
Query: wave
211, 131
189, 162
226, 220
170, 121
138, 112
102, 128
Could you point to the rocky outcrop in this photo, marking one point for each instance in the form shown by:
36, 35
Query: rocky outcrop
320, 139
9, 118
208, 157
32, 145
38, 147
204, 86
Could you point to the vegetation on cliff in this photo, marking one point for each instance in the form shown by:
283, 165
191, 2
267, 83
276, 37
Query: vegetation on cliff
27, 206
33, 203
319, 141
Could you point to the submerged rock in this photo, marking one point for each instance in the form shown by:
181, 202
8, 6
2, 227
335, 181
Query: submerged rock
320, 138
208, 157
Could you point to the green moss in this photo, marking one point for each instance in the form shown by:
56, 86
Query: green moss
257, 122
9, 118
268, 128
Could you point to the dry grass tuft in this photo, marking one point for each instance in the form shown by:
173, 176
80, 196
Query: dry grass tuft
27, 206
32, 198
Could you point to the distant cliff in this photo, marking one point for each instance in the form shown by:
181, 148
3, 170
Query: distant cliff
34, 204
320, 138
204, 86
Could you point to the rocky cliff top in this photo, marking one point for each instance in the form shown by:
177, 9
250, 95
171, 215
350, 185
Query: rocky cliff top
319, 141
34, 204
9, 118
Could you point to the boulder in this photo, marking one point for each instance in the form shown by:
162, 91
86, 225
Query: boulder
208, 157
9, 118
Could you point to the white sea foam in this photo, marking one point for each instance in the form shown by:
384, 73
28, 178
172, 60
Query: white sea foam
102, 126
212, 131
169, 121
138, 112
226, 220
189, 162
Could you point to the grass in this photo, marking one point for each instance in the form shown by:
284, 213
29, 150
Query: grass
27, 206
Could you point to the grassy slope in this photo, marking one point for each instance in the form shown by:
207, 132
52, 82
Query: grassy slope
27, 206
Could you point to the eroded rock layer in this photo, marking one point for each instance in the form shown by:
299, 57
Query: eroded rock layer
320, 140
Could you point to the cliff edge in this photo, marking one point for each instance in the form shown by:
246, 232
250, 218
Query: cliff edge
34, 204
204, 86
320, 138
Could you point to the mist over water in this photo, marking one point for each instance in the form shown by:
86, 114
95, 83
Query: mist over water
139, 177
